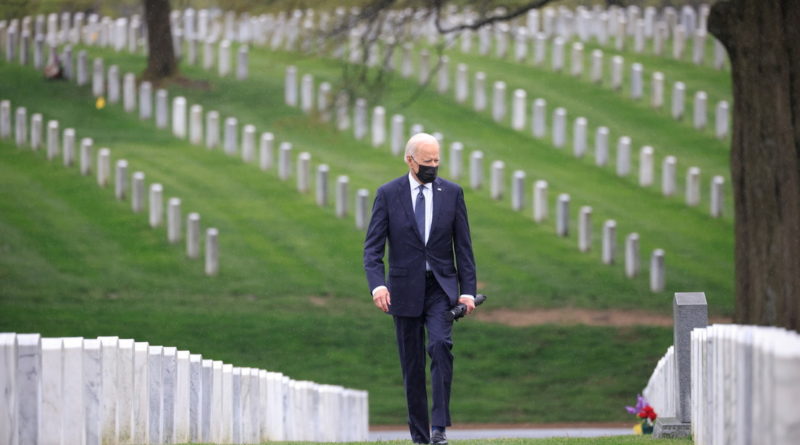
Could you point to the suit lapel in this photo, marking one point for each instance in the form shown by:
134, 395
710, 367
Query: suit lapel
404, 195
437, 190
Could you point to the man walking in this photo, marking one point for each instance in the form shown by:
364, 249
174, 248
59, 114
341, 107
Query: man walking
431, 269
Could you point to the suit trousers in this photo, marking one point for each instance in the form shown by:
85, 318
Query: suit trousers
410, 332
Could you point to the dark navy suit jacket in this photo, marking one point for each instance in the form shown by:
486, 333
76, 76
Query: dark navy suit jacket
448, 251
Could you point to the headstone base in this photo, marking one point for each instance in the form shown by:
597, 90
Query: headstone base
671, 428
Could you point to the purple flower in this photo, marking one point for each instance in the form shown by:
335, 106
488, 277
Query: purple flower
640, 404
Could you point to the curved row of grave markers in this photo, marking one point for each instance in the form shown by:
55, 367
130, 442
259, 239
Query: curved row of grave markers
64, 144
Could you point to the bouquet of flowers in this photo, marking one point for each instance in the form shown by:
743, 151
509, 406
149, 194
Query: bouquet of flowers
645, 412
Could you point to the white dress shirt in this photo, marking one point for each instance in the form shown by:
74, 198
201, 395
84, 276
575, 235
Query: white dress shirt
427, 192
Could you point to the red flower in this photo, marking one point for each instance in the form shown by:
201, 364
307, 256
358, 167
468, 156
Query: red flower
647, 413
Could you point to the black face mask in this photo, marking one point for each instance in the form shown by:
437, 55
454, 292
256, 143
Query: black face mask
426, 173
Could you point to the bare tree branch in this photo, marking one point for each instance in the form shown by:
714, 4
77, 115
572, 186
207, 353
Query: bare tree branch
486, 20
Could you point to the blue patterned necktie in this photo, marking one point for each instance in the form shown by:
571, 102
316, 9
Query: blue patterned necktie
419, 213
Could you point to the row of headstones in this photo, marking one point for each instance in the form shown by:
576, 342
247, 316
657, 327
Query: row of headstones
121, 33
745, 385
119, 391
596, 73
189, 122
64, 143
661, 386
601, 27
559, 131
497, 180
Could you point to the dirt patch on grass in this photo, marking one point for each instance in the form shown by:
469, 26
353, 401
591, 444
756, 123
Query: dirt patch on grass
576, 316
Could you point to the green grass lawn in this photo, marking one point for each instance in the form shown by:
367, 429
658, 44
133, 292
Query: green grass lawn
291, 296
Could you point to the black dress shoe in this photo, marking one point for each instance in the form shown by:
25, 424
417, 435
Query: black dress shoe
438, 438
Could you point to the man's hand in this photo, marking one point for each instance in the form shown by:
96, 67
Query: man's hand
469, 303
382, 299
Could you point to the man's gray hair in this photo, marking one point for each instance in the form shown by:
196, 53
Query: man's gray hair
417, 140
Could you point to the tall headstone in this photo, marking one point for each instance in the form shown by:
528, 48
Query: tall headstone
68, 147
121, 180
539, 118
657, 99
52, 391
601, 146
156, 205
113, 84
636, 80
162, 109
562, 215
212, 129
668, 175
342, 186
179, 117
21, 127
678, 93
321, 194
324, 102
342, 113
476, 169
360, 118
518, 190
443, 75
657, 271
53, 145
558, 54
456, 160
303, 172
398, 132
632, 255
242, 63
129, 92
224, 64
98, 78
579, 137
265, 150
646, 167
462, 83
721, 120
249, 143
699, 47
193, 235
231, 146
28, 387
145, 101
284, 160
362, 209
137, 192
585, 229
499, 101
497, 179
290, 86
717, 197
576, 67
174, 220
103, 167
596, 73
378, 126
609, 247
519, 107
82, 77
479, 96
212, 252
624, 156
700, 101
36, 131
196, 124
616, 72
86, 156
307, 93
539, 49
559, 127
540, 201
693, 186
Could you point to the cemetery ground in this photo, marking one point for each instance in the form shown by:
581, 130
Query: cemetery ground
290, 295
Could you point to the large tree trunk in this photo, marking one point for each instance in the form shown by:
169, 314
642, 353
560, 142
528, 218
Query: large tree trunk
161, 55
763, 41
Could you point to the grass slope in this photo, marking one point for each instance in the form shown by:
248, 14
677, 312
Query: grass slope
290, 296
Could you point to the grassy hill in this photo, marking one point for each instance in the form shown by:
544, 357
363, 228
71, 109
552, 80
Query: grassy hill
291, 296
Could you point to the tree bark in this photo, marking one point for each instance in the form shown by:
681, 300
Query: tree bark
763, 42
161, 61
